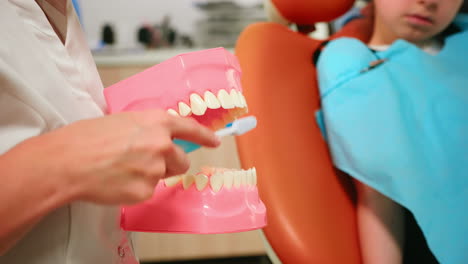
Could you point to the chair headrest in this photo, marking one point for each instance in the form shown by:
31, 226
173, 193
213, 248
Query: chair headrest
308, 12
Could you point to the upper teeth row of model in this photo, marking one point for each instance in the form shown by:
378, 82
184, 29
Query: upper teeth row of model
199, 105
228, 179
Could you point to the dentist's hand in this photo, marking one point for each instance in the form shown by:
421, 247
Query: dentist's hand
118, 159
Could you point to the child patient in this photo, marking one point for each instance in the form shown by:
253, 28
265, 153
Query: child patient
422, 23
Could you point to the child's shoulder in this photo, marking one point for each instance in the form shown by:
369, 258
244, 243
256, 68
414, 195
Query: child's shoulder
342, 57
341, 47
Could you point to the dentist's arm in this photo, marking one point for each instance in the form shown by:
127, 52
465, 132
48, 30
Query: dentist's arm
112, 160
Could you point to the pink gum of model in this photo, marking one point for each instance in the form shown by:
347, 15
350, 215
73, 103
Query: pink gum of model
174, 80
175, 209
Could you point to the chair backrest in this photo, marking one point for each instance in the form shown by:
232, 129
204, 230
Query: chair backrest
311, 212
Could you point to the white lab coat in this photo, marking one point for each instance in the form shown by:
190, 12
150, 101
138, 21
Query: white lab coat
44, 85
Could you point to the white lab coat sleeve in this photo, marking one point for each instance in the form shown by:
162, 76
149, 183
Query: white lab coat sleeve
18, 119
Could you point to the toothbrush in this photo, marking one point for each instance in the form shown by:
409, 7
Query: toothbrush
236, 128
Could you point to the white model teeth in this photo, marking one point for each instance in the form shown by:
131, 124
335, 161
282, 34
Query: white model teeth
197, 104
253, 172
229, 179
225, 99
235, 98
237, 181
187, 181
244, 179
254, 175
184, 109
172, 112
220, 178
172, 181
211, 101
201, 180
216, 181
243, 101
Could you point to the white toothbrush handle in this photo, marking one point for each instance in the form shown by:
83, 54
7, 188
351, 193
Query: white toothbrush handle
225, 131
238, 127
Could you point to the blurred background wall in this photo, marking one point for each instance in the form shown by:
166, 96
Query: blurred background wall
205, 23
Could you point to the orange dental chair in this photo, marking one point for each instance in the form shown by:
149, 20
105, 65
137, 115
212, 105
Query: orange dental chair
311, 212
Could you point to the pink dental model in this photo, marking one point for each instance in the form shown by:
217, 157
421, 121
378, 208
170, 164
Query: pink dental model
204, 85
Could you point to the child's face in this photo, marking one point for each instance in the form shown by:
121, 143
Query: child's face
413, 20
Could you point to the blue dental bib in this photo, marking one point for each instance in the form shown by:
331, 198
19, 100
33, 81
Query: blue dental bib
397, 120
